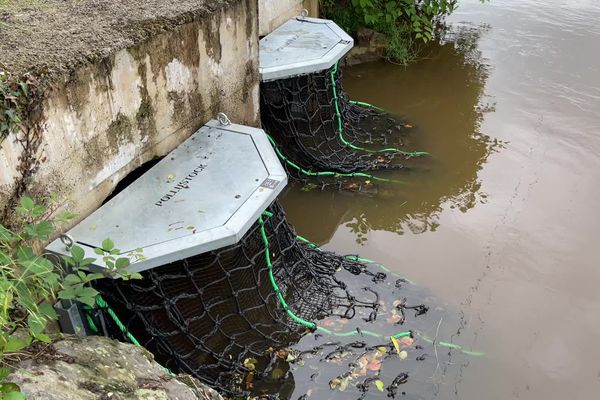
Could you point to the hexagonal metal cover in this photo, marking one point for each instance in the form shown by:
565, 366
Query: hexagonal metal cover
302, 46
204, 195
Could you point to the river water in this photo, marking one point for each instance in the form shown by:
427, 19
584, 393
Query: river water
501, 223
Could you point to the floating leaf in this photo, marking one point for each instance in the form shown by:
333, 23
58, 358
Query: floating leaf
396, 344
344, 384
334, 383
250, 363
379, 385
374, 365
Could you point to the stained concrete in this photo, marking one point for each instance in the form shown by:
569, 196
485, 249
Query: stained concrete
106, 117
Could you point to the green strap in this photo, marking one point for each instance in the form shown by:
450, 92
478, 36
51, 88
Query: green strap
284, 304
325, 173
408, 154
100, 302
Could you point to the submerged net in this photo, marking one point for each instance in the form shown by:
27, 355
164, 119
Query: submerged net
276, 317
206, 314
324, 137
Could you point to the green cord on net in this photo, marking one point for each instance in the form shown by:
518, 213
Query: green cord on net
100, 302
286, 307
364, 104
312, 325
325, 173
355, 258
341, 129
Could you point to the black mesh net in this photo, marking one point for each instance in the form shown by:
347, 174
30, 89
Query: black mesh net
321, 135
206, 314
217, 316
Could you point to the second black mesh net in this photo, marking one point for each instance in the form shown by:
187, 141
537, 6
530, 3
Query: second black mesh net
325, 138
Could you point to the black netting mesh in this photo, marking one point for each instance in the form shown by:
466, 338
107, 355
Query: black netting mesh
316, 128
206, 314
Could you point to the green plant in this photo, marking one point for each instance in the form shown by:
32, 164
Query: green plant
408, 24
14, 101
30, 283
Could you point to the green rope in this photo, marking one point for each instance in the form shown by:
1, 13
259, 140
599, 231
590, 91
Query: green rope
408, 154
284, 304
325, 173
100, 302
398, 335
354, 258
364, 104
451, 346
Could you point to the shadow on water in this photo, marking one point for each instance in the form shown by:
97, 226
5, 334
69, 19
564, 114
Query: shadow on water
442, 97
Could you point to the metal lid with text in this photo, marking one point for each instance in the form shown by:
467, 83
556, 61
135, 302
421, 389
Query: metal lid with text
204, 195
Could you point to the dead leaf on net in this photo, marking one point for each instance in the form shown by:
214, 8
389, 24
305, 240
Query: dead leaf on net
283, 354
277, 373
344, 384
250, 363
334, 383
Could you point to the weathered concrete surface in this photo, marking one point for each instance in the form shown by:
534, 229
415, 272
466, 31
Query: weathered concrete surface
273, 13
54, 36
108, 117
97, 368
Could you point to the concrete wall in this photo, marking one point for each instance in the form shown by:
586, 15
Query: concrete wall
140, 103
275, 12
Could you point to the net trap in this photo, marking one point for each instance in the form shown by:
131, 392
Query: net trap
226, 286
320, 134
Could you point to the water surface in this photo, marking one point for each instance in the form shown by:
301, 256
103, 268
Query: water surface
501, 223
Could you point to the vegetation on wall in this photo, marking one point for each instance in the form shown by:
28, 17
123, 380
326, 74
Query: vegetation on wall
407, 24
30, 283
14, 101
20, 116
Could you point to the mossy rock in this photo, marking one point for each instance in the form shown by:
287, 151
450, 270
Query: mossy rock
97, 368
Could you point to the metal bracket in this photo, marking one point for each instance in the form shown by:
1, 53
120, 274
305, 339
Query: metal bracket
70, 318
223, 119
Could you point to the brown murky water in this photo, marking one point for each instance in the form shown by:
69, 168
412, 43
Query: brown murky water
502, 222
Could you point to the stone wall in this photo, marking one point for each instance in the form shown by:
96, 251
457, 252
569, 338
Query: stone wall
109, 117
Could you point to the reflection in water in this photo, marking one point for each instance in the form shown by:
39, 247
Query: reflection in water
446, 111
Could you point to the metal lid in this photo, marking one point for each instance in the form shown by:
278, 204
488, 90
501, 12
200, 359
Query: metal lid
302, 46
204, 195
